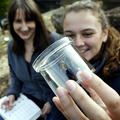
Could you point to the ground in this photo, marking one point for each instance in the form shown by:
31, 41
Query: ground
4, 70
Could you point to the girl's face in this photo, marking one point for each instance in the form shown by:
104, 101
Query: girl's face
25, 29
85, 29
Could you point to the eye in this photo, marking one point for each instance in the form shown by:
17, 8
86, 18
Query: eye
17, 20
88, 34
29, 18
70, 35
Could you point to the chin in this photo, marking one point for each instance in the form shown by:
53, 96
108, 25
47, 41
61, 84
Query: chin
87, 58
25, 38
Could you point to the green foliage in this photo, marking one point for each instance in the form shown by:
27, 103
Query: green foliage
4, 4
3, 43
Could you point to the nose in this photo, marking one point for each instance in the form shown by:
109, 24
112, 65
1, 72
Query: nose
24, 26
79, 41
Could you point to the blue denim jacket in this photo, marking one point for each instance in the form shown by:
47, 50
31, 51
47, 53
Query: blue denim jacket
32, 84
1, 118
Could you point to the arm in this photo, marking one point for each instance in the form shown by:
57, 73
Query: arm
16, 84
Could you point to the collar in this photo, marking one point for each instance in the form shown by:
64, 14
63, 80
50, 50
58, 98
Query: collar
100, 63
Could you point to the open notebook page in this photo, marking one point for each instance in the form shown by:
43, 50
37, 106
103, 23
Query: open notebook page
24, 109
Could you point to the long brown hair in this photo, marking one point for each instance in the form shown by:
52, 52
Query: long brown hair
31, 10
112, 45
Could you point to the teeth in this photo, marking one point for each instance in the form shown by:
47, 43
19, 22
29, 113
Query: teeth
81, 51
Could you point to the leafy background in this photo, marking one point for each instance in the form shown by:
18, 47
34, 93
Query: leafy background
4, 7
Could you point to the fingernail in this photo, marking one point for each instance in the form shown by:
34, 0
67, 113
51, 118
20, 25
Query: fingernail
79, 77
87, 74
60, 92
70, 85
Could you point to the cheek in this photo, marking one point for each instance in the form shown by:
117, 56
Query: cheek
32, 25
96, 45
16, 26
95, 42
90, 42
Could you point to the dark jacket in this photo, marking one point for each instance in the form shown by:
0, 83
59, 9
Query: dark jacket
113, 80
24, 78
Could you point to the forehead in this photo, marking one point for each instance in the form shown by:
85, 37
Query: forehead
19, 13
81, 20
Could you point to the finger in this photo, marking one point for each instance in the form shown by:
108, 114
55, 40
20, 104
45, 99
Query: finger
11, 99
109, 96
97, 99
10, 105
48, 107
60, 108
88, 106
7, 106
57, 103
94, 96
5, 103
69, 106
44, 110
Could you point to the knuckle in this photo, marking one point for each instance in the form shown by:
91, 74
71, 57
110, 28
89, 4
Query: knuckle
114, 104
82, 97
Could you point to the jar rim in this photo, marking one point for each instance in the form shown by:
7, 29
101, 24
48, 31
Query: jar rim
49, 51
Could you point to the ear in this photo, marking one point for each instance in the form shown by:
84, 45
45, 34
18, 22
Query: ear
105, 35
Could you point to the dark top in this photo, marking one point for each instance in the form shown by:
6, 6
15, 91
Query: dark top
113, 80
24, 78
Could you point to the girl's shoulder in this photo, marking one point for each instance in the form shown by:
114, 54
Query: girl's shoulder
55, 36
10, 44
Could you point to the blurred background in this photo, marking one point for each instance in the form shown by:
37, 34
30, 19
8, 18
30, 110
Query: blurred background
52, 11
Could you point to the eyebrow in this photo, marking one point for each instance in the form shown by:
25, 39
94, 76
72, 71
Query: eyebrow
66, 31
88, 29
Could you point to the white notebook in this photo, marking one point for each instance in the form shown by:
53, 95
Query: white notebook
24, 109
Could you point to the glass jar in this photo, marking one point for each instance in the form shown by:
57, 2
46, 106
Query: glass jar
60, 62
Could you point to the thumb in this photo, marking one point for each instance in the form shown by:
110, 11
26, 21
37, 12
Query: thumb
46, 108
11, 99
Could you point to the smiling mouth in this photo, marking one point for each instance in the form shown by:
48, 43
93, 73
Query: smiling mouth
82, 51
25, 33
